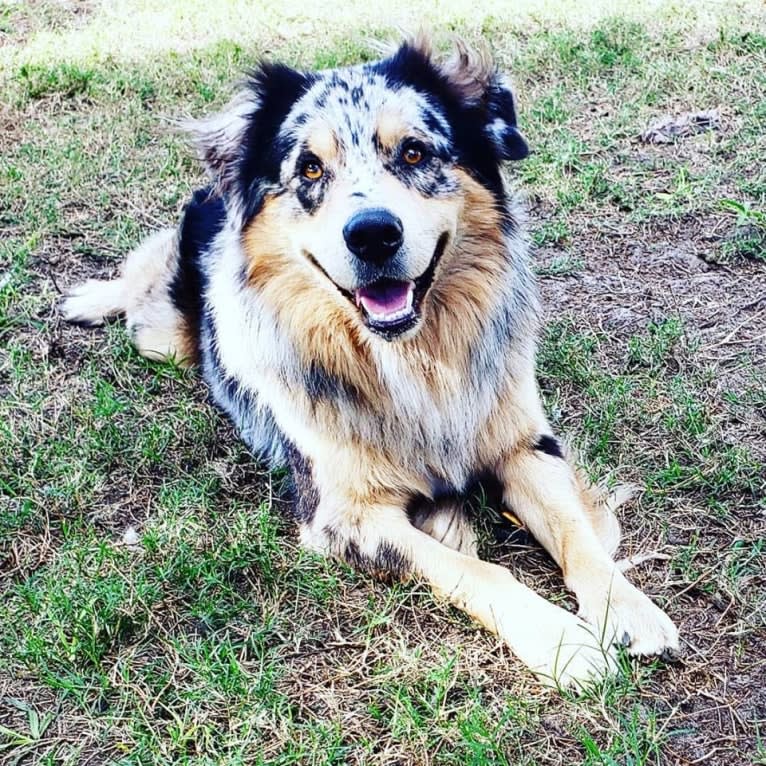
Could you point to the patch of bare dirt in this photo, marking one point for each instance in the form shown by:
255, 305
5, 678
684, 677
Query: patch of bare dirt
634, 276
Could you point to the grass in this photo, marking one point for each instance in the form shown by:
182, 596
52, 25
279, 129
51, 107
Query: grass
156, 607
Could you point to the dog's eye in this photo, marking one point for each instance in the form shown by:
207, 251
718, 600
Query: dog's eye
312, 169
413, 153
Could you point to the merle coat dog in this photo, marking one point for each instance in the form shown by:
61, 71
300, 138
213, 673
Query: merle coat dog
354, 288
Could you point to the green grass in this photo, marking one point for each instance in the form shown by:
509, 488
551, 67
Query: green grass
214, 639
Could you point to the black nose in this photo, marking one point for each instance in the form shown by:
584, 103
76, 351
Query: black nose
373, 234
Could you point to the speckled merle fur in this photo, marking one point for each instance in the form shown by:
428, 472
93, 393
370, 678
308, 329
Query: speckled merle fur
476, 137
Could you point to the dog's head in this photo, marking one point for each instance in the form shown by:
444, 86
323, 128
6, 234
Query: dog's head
359, 173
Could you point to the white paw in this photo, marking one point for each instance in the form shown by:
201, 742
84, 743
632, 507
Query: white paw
628, 617
560, 648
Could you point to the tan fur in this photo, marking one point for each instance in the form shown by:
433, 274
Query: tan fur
469, 69
391, 128
559, 647
308, 310
465, 287
324, 143
325, 326
547, 496
600, 507
216, 138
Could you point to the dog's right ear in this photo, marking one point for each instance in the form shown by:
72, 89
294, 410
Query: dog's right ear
236, 141
218, 139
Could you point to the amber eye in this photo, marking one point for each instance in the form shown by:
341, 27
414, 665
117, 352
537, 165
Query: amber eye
312, 169
413, 154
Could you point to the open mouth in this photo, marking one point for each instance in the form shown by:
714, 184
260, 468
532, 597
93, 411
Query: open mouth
387, 302
391, 307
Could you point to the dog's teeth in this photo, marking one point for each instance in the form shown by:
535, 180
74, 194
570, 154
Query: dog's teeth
391, 317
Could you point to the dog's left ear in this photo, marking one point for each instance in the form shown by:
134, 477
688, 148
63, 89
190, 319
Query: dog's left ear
474, 76
501, 124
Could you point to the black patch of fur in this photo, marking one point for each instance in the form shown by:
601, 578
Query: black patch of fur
308, 198
441, 489
354, 557
320, 384
481, 484
338, 82
434, 122
387, 563
486, 485
549, 445
311, 193
483, 492
416, 505
409, 67
277, 88
487, 359
331, 533
203, 219
428, 177
476, 151
254, 422
509, 142
306, 492
391, 560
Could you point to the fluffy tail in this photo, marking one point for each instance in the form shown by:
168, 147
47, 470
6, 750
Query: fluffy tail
93, 302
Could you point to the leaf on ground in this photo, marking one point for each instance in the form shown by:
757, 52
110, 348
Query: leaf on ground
668, 128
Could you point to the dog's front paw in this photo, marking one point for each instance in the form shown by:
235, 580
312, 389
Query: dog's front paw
628, 617
560, 648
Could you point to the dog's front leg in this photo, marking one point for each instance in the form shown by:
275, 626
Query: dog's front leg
379, 538
543, 491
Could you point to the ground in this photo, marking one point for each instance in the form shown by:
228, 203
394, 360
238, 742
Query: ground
155, 607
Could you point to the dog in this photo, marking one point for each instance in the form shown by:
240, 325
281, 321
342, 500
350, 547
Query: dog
354, 286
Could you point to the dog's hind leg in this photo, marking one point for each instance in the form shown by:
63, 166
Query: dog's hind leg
448, 523
600, 507
142, 294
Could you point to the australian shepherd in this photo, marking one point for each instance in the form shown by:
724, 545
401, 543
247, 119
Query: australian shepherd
354, 286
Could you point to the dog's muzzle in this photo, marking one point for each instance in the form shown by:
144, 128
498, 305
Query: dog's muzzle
391, 307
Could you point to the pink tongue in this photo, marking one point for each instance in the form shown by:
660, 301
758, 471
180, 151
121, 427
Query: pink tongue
383, 298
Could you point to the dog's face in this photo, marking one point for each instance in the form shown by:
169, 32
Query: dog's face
370, 193
359, 172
